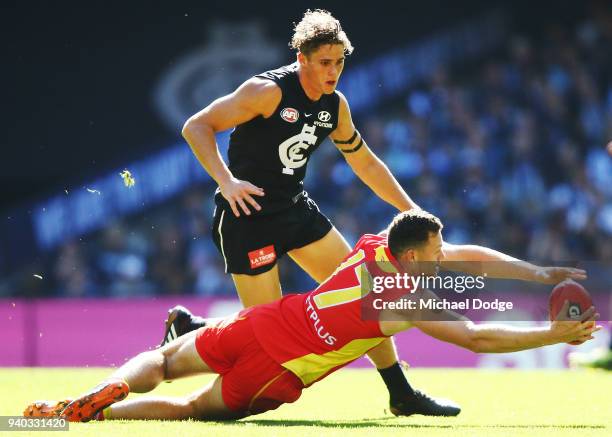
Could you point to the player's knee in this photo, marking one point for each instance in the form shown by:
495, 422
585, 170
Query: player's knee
159, 360
171, 361
200, 407
193, 408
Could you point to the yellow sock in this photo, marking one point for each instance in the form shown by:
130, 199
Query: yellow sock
106, 413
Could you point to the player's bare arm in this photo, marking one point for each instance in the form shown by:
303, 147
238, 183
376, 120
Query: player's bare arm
253, 98
478, 260
499, 338
454, 328
366, 165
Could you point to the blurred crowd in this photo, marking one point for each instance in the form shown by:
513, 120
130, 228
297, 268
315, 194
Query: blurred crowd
509, 152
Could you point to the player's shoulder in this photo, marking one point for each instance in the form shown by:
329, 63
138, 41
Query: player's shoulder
259, 92
371, 241
280, 74
260, 87
343, 105
341, 96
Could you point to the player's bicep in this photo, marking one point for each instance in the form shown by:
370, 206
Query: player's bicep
359, 156
461, 252
345, 129
225, 113
348, 140
253, 98
345, 136
461, 258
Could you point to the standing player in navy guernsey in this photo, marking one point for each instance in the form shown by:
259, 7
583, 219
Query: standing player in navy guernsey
262, 211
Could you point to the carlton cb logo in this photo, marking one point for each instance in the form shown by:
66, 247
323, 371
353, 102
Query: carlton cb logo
291, 151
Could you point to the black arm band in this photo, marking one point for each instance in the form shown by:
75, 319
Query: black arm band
354, 149
348, 141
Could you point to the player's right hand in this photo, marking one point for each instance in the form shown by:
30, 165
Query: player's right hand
567, 330
238, 193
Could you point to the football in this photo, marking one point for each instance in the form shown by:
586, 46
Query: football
579, 300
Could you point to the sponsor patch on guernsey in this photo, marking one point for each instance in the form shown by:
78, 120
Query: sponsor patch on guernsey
261, 257
289, 114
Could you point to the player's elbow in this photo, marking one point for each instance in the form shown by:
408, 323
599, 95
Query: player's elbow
366, 166
474, 341
478, 346
188, 128
195, 127
483, 344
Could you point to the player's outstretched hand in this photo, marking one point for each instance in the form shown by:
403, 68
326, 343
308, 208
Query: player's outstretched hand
554, 275
238, 193
567, 330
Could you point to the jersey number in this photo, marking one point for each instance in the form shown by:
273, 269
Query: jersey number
345, 295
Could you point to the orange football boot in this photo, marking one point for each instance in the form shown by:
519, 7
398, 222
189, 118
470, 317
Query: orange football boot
84, 408
45, 408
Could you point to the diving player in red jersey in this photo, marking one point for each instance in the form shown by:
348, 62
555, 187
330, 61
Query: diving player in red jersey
265, 355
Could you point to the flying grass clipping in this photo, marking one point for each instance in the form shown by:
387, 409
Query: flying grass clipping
127, 177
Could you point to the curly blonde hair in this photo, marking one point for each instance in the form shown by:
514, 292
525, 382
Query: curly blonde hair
318, 28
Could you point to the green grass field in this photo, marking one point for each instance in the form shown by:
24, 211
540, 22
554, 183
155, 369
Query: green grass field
353, 402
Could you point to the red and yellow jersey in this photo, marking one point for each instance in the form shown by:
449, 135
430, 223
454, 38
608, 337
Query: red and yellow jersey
316, 333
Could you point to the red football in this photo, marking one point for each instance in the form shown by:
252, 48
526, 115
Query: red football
579, 300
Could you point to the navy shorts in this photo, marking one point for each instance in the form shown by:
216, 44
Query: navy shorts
253, 244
